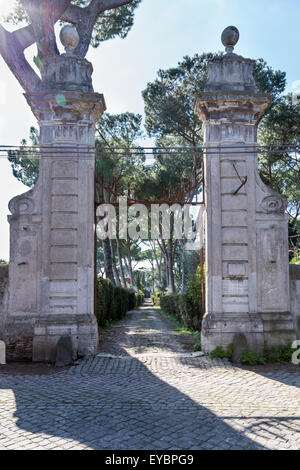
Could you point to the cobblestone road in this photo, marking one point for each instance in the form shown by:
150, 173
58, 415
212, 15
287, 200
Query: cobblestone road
146, 391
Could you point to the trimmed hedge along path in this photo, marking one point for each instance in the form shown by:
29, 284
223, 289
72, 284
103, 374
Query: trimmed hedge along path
145, 391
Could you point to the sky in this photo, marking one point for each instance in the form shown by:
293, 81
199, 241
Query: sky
164, 31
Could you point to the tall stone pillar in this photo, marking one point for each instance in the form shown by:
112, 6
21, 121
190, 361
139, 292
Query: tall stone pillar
247, 271
51, 272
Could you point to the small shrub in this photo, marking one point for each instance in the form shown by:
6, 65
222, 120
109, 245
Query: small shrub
229, 351
220, 353
197, 346
286, 352
156, 298
252, 358
282, 354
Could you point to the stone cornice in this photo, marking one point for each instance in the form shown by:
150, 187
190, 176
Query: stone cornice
222, 104
66, 105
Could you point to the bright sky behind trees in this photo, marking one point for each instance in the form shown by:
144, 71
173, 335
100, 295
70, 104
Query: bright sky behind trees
164, 31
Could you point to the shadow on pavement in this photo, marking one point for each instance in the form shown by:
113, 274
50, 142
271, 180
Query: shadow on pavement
117, 408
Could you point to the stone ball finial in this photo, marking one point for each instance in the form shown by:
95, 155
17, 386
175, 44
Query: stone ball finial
69, 38
230, 37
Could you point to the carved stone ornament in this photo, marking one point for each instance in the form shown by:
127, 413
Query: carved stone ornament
273, 205
21, 205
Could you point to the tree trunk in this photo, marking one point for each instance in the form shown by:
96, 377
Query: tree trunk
124, 283
130, 266
158, 264
183, 283
115, 270
171, 281
108, 267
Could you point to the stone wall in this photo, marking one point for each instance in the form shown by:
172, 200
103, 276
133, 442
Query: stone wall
295, 296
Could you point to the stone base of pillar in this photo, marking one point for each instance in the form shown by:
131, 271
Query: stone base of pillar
222, 330
18, 335
82, 329
246, 331
278, 328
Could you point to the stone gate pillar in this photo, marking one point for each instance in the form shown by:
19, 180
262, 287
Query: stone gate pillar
247, 271
51, 272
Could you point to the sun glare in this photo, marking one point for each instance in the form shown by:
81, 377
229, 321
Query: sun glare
6, 7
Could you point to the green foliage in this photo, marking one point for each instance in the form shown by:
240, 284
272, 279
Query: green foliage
193, 289
113, 131
156, 298
3, 262
184, 307
170, 304
112, 23
271, 355
104, 301
283, 353
169, 100
3, 271
269, 80
197, 346
139, 299
220, 353
25, 162
252, 358
296, 259
114, 302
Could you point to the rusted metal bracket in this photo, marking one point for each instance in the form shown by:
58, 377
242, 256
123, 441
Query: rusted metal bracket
243, 181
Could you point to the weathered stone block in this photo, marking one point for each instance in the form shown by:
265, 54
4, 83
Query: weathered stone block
63, 169
64, 203
63, 288
64, 351
235, 287
228, 170
235, 253
235, 235
238, 202
63, 254
240, 345
64, 237
234, 218
63, 271
230, 185
64, 220
66, 186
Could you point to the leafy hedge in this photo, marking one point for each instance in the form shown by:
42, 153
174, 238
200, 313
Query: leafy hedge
114, 302
184, 307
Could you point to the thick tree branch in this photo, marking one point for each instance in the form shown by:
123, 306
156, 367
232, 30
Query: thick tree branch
25, 36
86, 18
43, 15
13, 54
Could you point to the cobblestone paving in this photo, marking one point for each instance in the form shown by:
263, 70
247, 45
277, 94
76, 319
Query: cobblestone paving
145, 391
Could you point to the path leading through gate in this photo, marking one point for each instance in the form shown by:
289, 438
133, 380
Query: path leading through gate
146, 390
